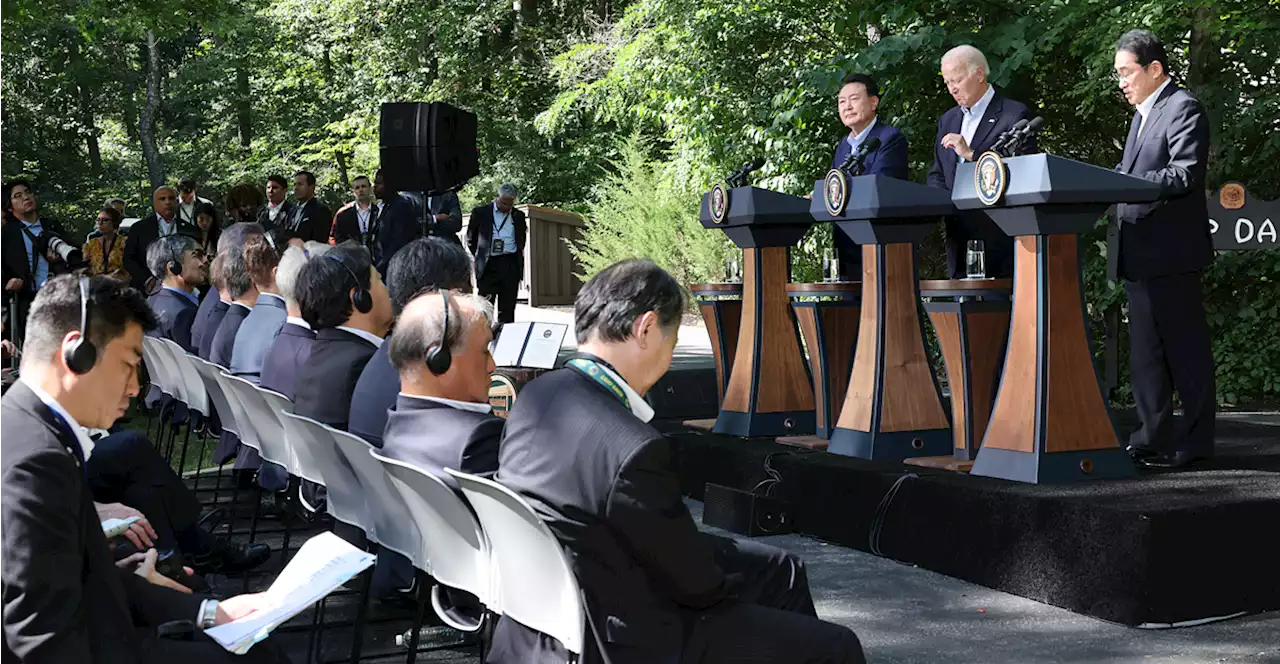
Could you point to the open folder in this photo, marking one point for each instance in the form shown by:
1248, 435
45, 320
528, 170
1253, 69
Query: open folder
529, 345
325, 562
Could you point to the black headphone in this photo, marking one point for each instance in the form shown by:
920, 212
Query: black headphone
80, 355
175, 268
361, 299
439, 357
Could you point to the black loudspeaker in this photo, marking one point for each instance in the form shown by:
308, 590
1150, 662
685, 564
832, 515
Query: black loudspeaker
427, 147
745, 513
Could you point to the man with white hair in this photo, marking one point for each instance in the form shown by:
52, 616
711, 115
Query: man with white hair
161, 223
496, 237
965, 132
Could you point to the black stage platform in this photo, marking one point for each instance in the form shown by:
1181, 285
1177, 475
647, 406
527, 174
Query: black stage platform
1159, 548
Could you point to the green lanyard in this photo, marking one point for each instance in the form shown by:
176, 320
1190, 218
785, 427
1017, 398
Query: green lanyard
597, 373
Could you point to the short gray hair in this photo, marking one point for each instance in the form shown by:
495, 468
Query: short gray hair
234, 273
235, 235
507, 189
970, 56
287, 272
163, 187
421, 326
168, 249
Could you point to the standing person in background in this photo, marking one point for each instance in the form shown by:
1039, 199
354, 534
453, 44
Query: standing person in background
446, 216
105, 253
117, 203
358, 220
242, 203
26, 267
397, 223
496, 237
188, 201
207, 229
311, 220
277, 209
163, 222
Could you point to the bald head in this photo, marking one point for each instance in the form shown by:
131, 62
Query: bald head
165, 201
422, 327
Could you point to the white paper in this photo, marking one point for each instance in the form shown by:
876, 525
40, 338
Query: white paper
506, 350
325, 562
544, 345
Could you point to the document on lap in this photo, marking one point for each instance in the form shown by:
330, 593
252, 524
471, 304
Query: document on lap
325, 562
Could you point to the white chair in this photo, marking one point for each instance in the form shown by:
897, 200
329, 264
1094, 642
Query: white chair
394, 527
160, 379
452, 549
536, 585
314, 445
278, 404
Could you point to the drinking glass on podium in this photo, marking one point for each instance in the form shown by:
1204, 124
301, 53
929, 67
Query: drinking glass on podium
830, 266
976, 265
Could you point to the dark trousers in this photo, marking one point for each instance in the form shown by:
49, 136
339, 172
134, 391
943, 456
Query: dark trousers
203, 650
997, 247
500, 283
1170, 349
125, 468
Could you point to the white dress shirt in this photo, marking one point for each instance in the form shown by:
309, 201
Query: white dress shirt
367, 336
363, 216
298, 321
972, 116
854, 140
82, 435
639, 407
504, 228
1144, 109
273, 210
452, 403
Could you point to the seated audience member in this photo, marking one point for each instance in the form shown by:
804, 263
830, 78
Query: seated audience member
578, 446
424, 264
240, 288
65, 599
261, 258
292, 346
345, 302
179, 265
105, 253
442, 418
213, 307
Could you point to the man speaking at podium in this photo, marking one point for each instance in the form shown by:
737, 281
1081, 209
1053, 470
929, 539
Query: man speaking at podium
859, 98
1163, 247
965, 132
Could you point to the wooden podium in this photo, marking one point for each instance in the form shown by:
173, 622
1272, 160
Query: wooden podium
892, 409
828, 314
1050, 422
971, 319
721, 307
768, 393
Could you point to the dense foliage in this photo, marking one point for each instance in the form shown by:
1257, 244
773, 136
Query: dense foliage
112, 98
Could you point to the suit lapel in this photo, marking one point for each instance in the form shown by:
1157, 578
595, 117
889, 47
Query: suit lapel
1130, 147
1149, 130
987, 122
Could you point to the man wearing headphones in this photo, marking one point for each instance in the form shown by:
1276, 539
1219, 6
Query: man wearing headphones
179, 264
65, 599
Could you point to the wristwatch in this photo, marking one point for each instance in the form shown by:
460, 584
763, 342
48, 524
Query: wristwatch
208, 614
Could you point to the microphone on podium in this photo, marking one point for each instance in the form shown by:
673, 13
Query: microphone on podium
852, 164
1002, 141
1016, 141
738, 178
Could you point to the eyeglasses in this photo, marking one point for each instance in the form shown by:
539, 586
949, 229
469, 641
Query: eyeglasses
1117, 76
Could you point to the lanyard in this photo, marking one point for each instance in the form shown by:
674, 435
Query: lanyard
593, 370
498, 228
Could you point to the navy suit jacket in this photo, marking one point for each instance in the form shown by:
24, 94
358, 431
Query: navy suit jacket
256, 333
174, 316
1001, 114
327, 380
375, 394
434, 436
225, 338
889, 160
210, 329
288, 352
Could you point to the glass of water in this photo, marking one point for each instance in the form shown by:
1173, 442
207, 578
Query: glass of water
732, 271
830, 265
976, 265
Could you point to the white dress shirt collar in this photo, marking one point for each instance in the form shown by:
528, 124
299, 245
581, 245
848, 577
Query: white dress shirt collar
367, 336
1150, 102
639, 407
460, 405
980, 107
275, 295
856, 139
298, 321
86, 444
238, 304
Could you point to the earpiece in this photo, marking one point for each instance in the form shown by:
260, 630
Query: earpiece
439, 357
361, 299
175, 268
81, 354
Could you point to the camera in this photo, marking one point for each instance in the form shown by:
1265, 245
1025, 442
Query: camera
68, 252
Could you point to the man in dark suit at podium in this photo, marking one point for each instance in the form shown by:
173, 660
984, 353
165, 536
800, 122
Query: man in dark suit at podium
579, 447
1163, 247
496, 237
859, 99
981, 114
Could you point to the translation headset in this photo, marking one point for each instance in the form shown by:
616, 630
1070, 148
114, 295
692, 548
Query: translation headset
175, 268
80, 355
439, 357
361, 299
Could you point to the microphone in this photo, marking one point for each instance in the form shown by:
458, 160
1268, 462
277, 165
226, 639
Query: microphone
738, 178
853, 163
1015, 143
1003, 140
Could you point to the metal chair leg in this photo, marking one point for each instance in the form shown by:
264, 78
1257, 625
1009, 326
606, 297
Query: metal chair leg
357, 634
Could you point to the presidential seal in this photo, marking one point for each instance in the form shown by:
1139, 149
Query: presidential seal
719, 203
991, 178
835, 192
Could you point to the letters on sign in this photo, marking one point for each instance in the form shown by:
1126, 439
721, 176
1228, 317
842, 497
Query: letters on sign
1240, 221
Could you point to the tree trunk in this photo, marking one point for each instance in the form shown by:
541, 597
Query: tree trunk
1202, 54
86, 111
604, 9
243, 104
342, 171
147, 127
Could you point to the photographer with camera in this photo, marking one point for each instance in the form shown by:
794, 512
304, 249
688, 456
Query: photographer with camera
34, 249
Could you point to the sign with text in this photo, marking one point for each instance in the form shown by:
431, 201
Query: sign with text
1239, 221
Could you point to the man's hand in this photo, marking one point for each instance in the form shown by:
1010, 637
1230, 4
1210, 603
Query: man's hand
235, 608
140, 532
14, 284
957, 143
443, 216
9, 349
146, 568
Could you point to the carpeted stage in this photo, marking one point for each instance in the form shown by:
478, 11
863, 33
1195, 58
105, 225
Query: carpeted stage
1160, 548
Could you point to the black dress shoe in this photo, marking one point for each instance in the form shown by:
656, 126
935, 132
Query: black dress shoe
227, 557
1179, 459
1139, 452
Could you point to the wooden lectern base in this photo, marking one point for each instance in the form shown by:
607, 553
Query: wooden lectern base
941, 463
